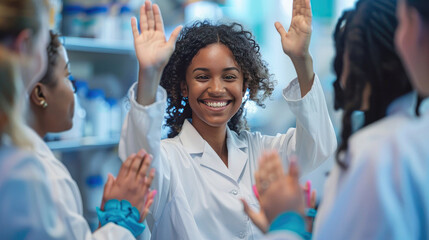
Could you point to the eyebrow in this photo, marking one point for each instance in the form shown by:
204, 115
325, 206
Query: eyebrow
224, 70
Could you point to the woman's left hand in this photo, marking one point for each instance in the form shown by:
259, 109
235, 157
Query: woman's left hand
296, 41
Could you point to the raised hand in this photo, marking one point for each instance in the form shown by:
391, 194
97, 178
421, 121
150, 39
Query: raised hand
152, 48
132, 184
296, 41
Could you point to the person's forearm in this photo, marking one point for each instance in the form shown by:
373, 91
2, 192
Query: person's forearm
148, 81
304, 70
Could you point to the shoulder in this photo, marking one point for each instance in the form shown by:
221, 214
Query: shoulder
18, 163
392, 145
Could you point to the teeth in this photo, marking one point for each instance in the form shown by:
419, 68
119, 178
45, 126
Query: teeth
216, 104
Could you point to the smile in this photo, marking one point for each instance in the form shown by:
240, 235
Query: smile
215, 104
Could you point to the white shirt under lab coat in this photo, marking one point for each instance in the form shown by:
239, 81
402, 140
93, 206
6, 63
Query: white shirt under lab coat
384, 193
67, 199
198, 196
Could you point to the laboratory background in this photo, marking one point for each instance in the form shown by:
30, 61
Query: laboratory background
97, 35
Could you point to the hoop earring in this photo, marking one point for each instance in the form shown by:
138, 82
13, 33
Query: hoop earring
44, 104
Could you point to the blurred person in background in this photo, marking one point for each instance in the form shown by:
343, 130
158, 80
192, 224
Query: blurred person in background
29, 200
26, 203
380, 187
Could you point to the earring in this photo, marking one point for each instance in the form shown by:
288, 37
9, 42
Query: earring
44, 104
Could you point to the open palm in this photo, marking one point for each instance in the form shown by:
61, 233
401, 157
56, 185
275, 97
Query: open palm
152, 48
296, 41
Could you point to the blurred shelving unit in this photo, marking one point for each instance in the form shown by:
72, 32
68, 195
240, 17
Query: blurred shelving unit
85, 143
92, 45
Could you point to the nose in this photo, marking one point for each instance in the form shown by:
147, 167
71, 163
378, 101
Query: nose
216, 87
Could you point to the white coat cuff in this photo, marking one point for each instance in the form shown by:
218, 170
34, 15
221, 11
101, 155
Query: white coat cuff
161, 98
292, 95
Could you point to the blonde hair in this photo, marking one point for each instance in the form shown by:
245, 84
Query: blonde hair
12, 100
18, 15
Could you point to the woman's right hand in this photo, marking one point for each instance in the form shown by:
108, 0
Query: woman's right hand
132, 184
152, 50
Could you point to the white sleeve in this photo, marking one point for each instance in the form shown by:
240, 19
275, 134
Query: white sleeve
142, 125
313, 140
142, 129
368, 204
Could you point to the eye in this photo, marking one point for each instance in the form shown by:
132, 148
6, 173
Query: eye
202, 78
230, 77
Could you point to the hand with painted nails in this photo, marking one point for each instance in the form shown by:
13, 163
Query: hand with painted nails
284, 194
132, 183
270, 169
278, 192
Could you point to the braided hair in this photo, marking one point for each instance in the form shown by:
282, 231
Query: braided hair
246, 53
368, 35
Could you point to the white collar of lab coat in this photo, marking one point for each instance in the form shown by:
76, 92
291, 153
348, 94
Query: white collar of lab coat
41, 149
237, 155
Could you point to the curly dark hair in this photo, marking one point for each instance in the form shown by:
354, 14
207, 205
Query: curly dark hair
368, 35
52, 49
246, 53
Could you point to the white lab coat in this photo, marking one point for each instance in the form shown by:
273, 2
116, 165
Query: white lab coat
198, 196
67, 199
26, 207
384, 193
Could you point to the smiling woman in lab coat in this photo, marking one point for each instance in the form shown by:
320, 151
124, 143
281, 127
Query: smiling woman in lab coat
207, 166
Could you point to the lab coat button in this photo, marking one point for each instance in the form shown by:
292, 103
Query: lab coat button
242, 235
235, 192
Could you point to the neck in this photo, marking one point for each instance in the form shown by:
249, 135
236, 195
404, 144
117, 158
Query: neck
215, 137
36, 123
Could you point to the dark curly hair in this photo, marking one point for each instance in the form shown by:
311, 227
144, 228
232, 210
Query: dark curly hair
368, 35
52, 49
246, 54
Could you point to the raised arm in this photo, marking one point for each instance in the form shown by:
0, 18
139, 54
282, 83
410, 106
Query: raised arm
152, 50
296, 42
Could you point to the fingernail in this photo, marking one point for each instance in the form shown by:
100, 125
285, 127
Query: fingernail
154, 192
255, 191
141, 153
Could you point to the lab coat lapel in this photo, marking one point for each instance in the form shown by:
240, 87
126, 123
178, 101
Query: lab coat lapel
237, 155
195, 144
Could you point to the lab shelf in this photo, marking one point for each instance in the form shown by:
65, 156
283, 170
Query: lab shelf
86, 143
98, 45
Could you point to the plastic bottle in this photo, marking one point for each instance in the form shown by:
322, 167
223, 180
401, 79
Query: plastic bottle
114, 117
96, 17
79, 116
74, 20
97, 114
125, 15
